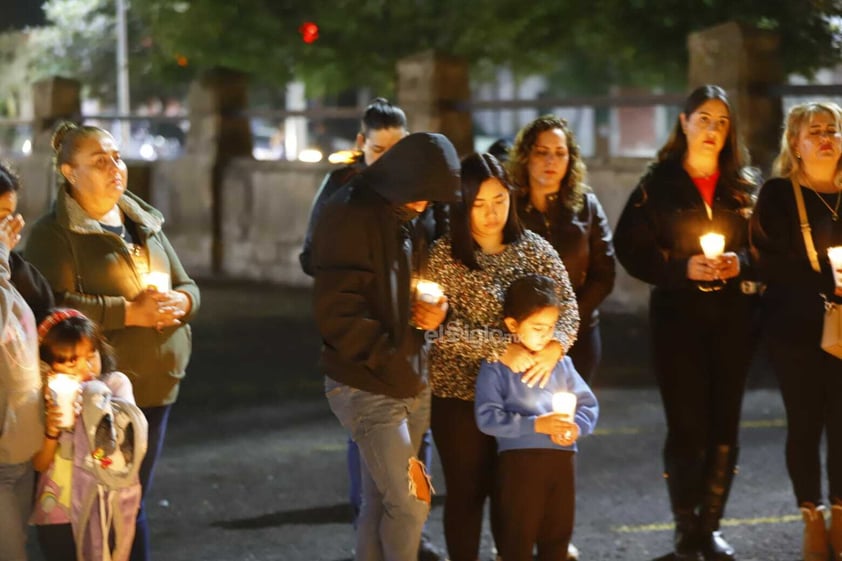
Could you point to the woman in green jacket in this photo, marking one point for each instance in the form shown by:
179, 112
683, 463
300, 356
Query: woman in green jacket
96, 247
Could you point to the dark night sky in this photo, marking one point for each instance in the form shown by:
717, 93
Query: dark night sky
17, 14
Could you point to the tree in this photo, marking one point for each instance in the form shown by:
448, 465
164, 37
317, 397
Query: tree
359, 40
13, 50
585, 47
644, 45
80, 42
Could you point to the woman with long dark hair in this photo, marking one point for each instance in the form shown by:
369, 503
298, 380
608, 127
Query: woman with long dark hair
486, 250
700, 309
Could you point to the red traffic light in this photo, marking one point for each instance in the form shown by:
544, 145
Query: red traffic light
309, 32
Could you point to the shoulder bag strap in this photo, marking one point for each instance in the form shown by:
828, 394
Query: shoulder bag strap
805, 227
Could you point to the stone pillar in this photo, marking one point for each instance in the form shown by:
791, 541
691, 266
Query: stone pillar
188, 190
746, 61
434, 90
54, 99
217, 101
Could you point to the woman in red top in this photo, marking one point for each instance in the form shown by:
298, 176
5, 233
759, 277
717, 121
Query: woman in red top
700, 308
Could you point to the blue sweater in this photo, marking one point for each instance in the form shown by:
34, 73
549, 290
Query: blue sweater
506, 408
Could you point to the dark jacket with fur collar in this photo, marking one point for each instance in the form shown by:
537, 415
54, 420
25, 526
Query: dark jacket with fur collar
364, 254
92, 270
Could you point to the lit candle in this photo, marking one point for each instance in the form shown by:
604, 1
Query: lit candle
63, 389
565, 402
834, 254
428, 291
158, 281
712, 245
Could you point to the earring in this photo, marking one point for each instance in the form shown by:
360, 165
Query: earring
797, 156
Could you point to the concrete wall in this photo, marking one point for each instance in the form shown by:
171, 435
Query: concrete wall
265, 208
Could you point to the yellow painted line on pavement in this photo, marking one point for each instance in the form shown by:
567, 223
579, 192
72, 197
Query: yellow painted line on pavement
763, 424
665, 526
755, 424
622, 430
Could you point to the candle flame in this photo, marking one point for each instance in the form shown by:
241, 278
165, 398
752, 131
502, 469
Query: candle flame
713, 244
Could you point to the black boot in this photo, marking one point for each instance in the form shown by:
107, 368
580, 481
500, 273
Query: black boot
685, 480
723, 464
686, 546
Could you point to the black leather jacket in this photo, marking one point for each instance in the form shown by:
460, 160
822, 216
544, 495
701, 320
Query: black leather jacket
583, 241
664, 217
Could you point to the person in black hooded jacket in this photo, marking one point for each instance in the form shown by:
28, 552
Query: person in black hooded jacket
701, 308
367, 247
382, 125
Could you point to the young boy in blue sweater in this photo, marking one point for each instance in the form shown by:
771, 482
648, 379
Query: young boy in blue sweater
536, 445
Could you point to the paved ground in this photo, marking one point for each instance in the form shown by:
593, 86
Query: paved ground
254, 465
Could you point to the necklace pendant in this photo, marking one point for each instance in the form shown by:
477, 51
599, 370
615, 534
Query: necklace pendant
835, 217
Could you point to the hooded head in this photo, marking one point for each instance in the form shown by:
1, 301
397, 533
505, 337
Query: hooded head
422, 166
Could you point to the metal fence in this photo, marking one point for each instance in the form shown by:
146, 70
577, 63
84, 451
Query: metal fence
622, 125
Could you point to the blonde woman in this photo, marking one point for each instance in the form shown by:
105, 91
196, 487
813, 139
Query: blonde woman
793, 303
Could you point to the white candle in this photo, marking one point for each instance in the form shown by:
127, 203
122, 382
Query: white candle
428, 291
158, 281
565, 402
835, 256
712, 245
63, 390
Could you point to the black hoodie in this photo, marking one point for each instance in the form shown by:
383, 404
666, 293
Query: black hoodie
364, 254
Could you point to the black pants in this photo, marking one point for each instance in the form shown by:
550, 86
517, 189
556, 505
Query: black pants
56, 542
702, 349
537, 491
586, 352
468, 460
810, 381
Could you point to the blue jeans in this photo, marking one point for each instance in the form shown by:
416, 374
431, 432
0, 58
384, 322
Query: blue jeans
388, 432
355, 487
16, 495
158, 418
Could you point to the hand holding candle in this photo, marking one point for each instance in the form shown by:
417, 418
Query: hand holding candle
64, 389
428, 291
834, 254
565, 403
559, 425
157, 280
429, 307
713, 245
